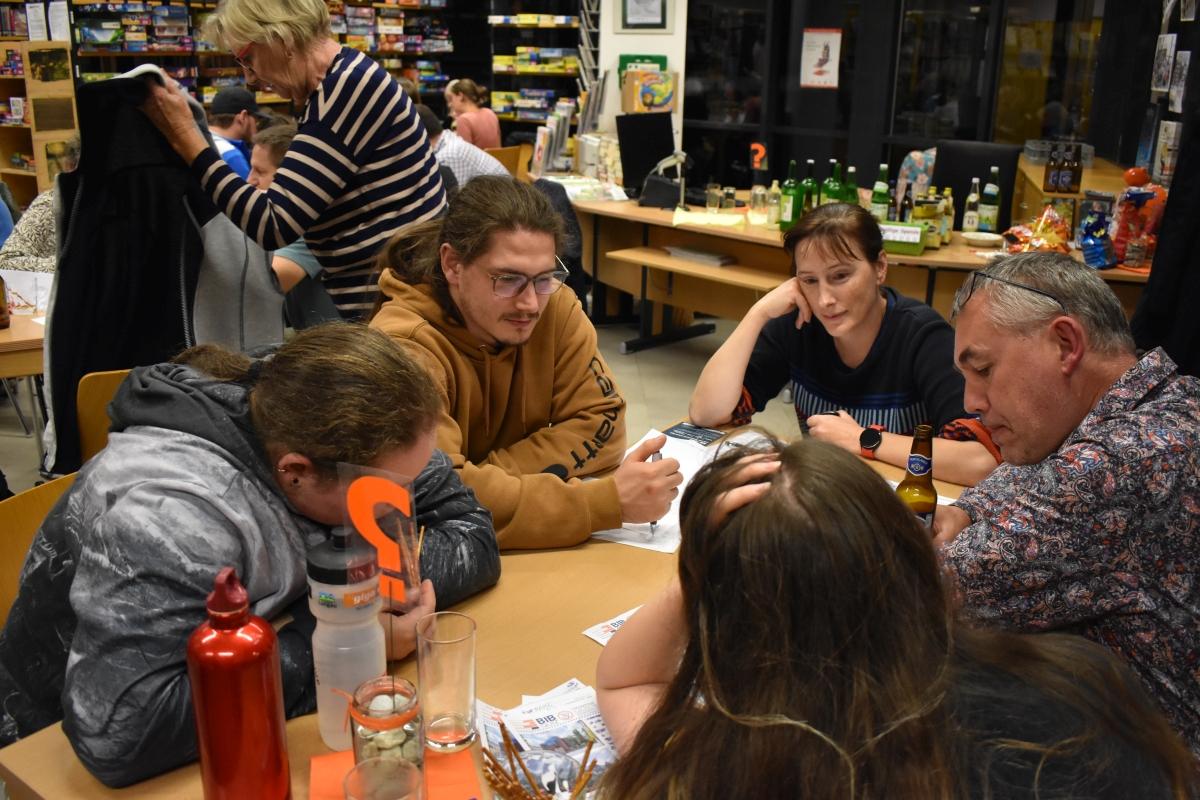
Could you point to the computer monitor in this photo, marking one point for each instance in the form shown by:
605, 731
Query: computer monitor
644, 140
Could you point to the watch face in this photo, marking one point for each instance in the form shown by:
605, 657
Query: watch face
870, 439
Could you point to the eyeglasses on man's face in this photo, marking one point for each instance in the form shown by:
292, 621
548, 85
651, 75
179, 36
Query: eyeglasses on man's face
509, 284
979, 276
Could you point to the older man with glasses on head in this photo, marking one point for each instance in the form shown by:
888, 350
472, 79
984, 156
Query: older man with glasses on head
531, 407
1092, 525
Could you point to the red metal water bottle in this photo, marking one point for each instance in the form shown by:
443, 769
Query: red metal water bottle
237, 693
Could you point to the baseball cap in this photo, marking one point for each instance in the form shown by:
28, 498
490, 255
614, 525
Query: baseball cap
233, 99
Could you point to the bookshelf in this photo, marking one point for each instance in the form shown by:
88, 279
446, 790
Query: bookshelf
417, 39
535, 60
35, 77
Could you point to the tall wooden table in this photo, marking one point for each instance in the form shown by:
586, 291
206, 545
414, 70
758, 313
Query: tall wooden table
529, 640
21, 357
622, 249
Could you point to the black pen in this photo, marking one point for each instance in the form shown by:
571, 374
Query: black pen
655, 456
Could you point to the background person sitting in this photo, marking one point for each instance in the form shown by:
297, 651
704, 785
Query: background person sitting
216, 460
810, 649
233, 119
1092, 524
473, 121
33, 244
464, 159
865, 363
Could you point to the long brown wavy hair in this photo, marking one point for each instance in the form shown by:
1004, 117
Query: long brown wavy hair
335, 392
484, 206
824, 661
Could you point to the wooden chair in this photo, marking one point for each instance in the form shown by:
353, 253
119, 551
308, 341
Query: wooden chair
523, 162
510, 157
96, 390
23, 515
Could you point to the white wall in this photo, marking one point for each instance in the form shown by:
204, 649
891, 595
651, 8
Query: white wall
673, 45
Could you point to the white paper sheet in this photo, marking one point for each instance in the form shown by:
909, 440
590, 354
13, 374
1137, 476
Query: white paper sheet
665, 537
60, 26
603, 631
35, 13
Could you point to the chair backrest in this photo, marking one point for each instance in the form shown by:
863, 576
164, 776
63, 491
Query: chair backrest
96, 390
523, 162
23, 515
510, 157
958, 162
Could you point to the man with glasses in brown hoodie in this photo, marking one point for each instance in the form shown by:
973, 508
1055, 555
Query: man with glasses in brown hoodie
531, 408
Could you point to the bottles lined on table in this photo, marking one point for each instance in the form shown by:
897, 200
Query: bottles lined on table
774, 203
971, 209
850, 188
1064, 172
989, 203
790, 200
947, 215
916, 490
831, 187
809, 190
879, 195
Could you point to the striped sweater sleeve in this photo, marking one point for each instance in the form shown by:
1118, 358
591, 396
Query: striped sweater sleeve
334, 140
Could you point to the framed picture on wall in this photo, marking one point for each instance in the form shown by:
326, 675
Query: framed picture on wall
644, 16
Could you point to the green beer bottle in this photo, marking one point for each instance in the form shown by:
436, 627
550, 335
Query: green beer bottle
808, 187
831, 187
789, 199
850, 188
879, 195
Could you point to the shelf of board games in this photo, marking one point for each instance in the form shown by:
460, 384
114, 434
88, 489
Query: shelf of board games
37, 115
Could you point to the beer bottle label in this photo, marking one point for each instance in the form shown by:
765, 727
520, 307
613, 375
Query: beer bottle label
786, 208
879, 211
919, 465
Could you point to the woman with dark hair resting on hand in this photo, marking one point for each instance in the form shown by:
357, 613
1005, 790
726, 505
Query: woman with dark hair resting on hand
809, 649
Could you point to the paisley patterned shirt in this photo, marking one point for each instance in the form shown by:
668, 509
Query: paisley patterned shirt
1102, 538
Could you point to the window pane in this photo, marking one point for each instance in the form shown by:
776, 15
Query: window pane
939, 69
1048, 71
819, 109
726, 60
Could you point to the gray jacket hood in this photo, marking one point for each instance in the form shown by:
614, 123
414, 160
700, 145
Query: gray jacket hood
181, 398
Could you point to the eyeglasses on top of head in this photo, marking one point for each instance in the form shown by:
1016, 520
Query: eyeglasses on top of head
508, 284
983, 274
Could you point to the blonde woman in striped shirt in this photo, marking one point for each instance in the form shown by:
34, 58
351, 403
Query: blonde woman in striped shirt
360, 167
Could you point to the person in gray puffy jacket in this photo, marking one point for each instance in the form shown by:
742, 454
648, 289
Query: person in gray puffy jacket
218, 460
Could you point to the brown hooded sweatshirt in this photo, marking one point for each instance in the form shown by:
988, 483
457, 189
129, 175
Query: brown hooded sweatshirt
525, 423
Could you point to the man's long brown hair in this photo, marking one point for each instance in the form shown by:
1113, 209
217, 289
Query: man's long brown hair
484, 206
823, 658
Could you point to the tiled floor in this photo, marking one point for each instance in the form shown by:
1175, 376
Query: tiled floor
656, 383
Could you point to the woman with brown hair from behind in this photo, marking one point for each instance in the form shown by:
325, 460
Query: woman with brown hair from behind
809, 649
473, 122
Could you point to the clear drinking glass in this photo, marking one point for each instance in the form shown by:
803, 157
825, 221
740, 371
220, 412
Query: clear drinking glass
712, 197
383, 779
446, 679
758, 206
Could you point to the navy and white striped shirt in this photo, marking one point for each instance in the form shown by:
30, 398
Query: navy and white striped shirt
359, 169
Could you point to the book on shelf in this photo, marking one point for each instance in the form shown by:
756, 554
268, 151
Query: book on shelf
701, 256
